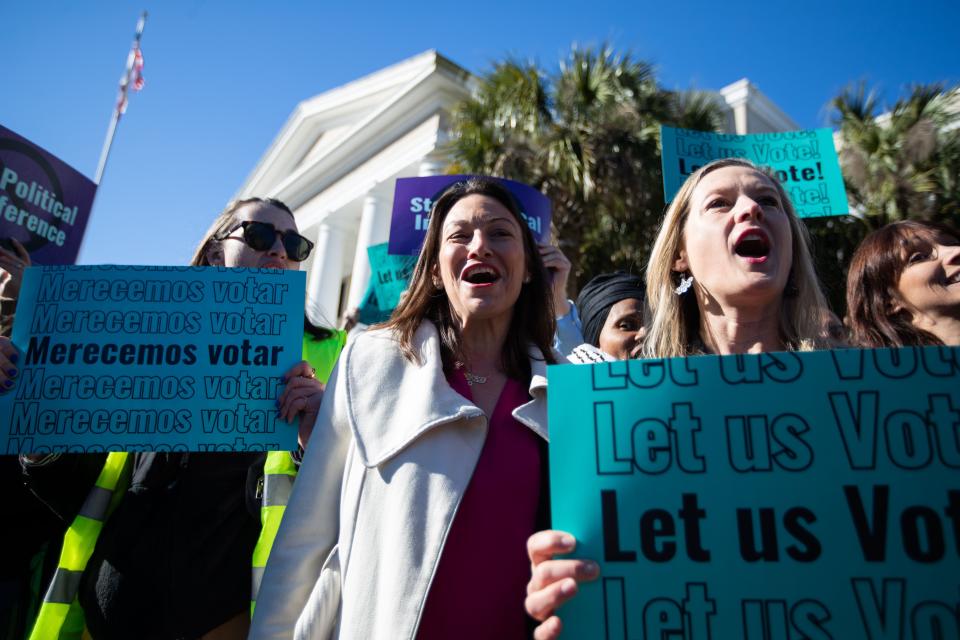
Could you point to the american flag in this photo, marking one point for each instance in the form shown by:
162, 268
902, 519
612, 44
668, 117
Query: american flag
138, 80
133, 74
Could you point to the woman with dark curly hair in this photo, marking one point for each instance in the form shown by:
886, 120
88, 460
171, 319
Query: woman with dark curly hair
159, 544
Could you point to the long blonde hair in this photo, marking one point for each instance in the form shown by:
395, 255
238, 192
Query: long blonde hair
674, 321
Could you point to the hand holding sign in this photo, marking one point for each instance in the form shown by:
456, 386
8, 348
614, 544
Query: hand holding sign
302, 397
8, 360
13, 260
558, 267
553, 582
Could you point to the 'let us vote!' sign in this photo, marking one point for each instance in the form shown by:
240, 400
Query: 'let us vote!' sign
120, 358
804, 162
782, 495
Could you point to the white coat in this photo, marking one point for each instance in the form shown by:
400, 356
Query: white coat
388, 461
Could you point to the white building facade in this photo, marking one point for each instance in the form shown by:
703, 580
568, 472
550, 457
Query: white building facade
335, 162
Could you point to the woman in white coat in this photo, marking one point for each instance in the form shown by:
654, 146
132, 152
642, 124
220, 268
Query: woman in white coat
425, 472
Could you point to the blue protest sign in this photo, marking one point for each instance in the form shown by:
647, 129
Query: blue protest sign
805, 162
152, 359
389, 274
414, 197
783, 495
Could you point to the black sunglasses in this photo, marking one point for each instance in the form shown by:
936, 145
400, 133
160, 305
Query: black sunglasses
260, 236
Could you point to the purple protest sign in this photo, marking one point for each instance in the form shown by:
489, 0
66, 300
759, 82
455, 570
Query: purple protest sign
413, 198
44, 202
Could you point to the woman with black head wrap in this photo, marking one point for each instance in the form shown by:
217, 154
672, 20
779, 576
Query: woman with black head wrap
611, 308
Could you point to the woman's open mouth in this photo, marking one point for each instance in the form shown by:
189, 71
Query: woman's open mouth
753, 245
479, 275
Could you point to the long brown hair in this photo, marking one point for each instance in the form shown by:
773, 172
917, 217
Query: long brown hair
875, 269
224, 221
532, 321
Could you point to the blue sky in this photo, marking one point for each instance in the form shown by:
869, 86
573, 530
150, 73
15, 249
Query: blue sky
222, 77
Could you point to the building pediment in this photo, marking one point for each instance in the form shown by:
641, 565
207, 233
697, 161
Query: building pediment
330, 133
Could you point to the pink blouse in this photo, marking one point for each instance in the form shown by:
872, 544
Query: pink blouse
481, 579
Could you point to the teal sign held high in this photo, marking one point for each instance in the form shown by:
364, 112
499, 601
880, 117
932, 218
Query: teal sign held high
782, 495
152, 359
805, 162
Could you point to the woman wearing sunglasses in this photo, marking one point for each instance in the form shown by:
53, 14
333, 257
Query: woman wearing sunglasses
262, 233
254, 233
173, 557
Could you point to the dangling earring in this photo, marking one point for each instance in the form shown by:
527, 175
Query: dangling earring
684, 286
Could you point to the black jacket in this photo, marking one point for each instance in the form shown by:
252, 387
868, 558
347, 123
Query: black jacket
173, 560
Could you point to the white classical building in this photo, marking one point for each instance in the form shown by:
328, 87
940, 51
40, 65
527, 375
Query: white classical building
337, 157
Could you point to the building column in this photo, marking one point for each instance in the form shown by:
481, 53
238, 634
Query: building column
374, 229
737, 97
326, 275
741, 119
433, 163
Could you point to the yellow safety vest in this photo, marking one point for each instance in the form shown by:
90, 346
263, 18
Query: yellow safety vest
60, 615
279, 469
279, 472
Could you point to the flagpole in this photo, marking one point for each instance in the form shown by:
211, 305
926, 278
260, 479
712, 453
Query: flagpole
119, 107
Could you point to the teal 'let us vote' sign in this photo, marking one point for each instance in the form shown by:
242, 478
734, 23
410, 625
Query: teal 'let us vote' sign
804, 162
771, 496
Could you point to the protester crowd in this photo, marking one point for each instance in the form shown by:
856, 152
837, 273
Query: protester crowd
417, 505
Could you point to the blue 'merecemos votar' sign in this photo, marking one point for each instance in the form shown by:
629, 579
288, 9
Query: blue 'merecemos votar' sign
152, 359
781, 495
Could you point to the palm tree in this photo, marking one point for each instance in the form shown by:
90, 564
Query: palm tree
902, 163
587, 136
